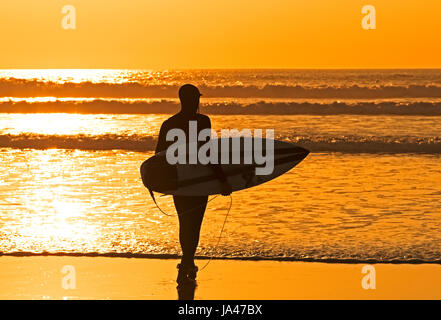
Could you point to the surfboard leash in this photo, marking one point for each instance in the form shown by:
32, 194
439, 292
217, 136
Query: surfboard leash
220, 233
179, 214
186, 211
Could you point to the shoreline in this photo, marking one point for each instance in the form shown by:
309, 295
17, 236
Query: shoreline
41, 277
165, 256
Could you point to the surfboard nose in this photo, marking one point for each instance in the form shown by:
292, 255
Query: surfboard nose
304, 152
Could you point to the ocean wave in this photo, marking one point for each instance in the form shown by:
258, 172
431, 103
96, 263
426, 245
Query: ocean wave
206, 257
12, 87
343, 144
163, 106
80, 142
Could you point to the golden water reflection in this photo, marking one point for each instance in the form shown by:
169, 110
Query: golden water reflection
79, 124
331, 206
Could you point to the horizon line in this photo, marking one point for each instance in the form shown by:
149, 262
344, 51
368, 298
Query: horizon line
239, 68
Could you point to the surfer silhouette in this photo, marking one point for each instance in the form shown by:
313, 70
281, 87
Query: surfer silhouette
190, 209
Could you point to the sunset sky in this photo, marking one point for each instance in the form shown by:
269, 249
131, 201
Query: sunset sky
170, 34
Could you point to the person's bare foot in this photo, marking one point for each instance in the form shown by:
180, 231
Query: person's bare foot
186, 274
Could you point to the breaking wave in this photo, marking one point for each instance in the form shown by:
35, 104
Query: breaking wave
344, 144
12, 87
164, 106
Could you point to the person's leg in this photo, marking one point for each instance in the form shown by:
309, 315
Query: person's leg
191, 213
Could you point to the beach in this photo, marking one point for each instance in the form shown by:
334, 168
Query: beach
124, 278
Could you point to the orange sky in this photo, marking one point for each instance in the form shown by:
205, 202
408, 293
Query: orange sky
171, 34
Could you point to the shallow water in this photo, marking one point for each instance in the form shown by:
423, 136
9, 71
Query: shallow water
333, 206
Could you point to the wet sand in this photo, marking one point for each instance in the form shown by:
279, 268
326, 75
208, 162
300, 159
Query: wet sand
123, 278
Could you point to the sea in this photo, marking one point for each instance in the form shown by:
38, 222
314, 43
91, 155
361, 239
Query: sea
72, 142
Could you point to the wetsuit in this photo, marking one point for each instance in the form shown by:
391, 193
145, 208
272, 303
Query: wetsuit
190, 209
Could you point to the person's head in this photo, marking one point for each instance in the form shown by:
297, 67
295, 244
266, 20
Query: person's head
189, 96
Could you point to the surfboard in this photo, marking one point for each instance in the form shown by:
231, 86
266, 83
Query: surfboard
199, 179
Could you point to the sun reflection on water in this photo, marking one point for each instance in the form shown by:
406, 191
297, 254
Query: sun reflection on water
79, 124
51, 211
68, 75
